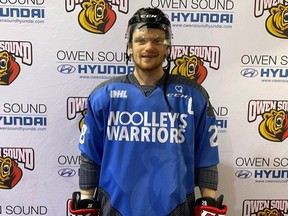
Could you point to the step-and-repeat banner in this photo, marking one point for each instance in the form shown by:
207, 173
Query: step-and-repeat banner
53, 53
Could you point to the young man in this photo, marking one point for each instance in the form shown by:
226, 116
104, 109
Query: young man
148, 137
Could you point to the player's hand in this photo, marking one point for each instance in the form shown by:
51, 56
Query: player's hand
207, 206
83, 207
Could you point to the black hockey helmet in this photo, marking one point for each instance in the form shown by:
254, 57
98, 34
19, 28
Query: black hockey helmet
149, 18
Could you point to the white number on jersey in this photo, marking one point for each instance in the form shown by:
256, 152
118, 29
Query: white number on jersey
213, 138
82, 135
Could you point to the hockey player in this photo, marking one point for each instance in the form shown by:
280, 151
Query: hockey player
149, 138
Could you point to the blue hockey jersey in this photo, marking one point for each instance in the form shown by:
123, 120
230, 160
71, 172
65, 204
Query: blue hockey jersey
147, 154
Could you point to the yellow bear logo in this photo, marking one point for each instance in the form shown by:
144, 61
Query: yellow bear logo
274, 126
9, 68
270, 212
81, 122
10, 173
191, 67
96, 16
277, 22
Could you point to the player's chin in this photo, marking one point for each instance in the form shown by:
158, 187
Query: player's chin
151, 61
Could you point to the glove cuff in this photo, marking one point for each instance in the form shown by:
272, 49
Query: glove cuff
83, 212
83, 207
207, 206
210, 210
207, 201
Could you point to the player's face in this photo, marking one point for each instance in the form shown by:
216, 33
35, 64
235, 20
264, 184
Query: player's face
149, 49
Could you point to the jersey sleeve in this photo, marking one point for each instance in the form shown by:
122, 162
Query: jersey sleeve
206, 140
91, 138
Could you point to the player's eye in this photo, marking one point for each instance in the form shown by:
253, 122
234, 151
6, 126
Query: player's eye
141, 40
158, 41
144, 40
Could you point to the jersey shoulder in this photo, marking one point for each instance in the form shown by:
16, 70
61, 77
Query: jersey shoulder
194, 86
179, 79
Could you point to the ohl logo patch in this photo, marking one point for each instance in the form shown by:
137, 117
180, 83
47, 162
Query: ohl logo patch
277, 21
274, 123
97, 16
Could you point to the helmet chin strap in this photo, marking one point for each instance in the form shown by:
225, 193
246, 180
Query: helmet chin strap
166, 69
128, 56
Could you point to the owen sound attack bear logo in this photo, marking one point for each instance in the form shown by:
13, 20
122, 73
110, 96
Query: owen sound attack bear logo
96, 16
277, 22
188, 61
191, 67
274, 118
9, 68
274, 126
10, 173
269, 212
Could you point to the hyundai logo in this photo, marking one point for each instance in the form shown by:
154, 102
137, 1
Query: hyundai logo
243, 174
249, 72
66, 69
66, 172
